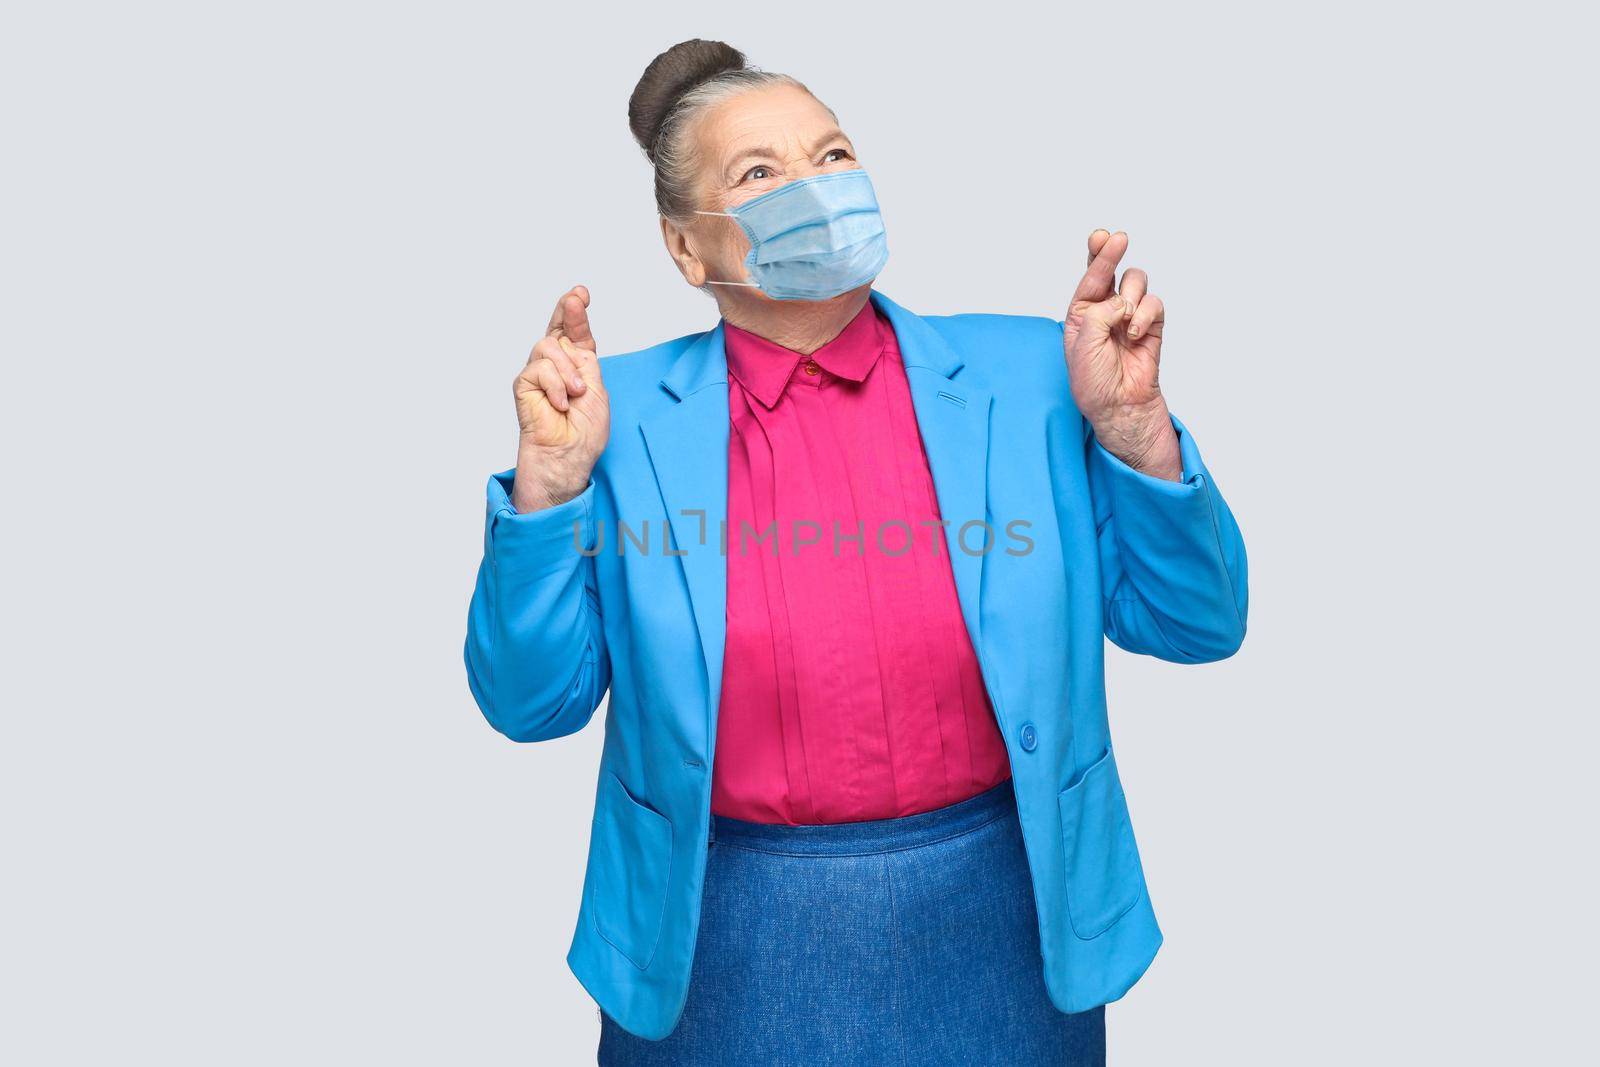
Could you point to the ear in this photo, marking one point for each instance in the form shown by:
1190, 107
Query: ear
677, 242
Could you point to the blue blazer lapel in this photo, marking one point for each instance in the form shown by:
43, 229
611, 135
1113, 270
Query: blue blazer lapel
953, 418
688, 447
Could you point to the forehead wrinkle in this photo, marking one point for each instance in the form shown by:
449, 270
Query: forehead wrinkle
760, 127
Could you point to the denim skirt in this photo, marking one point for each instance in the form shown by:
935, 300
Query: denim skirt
896, 943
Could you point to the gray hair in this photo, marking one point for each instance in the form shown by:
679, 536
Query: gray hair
674, 93
675, 158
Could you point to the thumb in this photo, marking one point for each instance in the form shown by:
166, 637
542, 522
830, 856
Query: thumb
1100, 318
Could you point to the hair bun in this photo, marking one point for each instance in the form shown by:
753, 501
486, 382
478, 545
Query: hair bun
668, 77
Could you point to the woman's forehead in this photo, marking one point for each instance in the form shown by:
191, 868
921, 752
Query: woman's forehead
782, 119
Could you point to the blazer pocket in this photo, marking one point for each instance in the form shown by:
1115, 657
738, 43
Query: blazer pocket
632, 857
1102, 861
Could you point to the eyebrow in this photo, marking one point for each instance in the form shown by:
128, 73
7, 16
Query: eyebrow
767, 152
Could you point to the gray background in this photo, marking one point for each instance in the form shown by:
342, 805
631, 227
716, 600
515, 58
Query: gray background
270, 268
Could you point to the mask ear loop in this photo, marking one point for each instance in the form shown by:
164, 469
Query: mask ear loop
727, 214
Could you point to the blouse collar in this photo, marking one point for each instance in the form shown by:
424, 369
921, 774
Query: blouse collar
765, 368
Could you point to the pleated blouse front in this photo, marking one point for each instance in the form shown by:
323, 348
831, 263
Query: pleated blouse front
850, 687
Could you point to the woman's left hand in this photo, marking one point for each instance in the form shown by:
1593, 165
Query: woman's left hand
1113, 349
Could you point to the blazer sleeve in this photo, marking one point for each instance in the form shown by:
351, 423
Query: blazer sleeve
535, 651
1172, 561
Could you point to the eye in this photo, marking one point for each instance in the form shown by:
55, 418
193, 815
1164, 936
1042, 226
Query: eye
756, 174
836, 155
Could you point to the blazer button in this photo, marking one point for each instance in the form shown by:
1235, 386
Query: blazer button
1028, 736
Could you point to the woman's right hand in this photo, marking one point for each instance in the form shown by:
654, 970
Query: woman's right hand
562, 409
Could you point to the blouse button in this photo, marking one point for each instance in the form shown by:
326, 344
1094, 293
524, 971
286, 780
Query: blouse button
811, 366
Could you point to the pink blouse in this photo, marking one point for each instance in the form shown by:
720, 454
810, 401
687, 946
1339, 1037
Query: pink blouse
850, 688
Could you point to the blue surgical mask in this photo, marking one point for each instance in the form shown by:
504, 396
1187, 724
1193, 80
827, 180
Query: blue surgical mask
813, 238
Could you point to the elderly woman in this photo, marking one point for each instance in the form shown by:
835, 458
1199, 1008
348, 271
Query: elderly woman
845, 572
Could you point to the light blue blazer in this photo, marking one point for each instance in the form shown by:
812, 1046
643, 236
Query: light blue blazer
1156, 566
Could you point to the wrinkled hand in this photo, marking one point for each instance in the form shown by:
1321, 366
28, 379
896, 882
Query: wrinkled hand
562, 409
1113, 350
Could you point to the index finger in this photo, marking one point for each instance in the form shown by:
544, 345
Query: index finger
1099, 280
1097, 241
